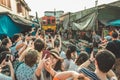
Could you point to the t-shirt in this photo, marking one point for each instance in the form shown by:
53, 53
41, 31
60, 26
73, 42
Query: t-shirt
67, 63
89, 73
114, 47
42, 76
25, 72
63, 54
55, 78
73, 66
4, 77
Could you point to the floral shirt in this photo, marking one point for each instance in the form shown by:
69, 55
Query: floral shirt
24, 72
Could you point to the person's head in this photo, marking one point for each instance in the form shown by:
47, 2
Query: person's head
31, 57
16, 37
39, 45
70, 52
82, 58
56, 59
104, 60
114, 35
7, 42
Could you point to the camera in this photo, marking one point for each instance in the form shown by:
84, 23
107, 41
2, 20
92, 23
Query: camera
7, 58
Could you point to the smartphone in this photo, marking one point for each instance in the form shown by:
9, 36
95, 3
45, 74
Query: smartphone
7, 58
95, 50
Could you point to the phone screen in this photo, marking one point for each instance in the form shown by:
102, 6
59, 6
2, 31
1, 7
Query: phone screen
7, 57
95, 50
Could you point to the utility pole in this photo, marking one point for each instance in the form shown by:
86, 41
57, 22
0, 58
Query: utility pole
96, 7
69, 20
96, 3
38, 21
54, 12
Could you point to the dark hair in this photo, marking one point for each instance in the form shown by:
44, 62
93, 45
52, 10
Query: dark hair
58, 66
33, 39
31, 57
39, 45
5, 41
3, 36
3, 48
69, 51
29, 34
82, 58
114, 34
105, 60
15, 37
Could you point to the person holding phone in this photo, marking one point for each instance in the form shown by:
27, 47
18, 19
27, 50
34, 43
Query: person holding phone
5, 60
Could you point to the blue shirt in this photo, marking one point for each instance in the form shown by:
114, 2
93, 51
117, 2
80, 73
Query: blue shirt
24, 72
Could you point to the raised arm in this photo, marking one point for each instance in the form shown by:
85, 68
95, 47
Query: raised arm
40, 67
11, 69
22, 56
112, 75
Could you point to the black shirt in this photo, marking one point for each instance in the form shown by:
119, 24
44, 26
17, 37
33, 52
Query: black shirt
114, 47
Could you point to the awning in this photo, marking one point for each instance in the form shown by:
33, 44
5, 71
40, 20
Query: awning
20, 20
114, 23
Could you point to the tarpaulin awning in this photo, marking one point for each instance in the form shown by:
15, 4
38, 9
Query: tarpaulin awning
88, 19
114, 23
11, 24
19, 19
86, 23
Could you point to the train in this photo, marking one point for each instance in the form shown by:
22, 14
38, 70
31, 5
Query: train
48, 23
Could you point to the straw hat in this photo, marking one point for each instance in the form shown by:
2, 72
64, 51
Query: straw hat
55, 53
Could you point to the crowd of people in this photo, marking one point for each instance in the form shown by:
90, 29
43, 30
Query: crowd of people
42, 57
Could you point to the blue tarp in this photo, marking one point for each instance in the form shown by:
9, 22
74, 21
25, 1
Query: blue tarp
11, 24
8, 27
114, 23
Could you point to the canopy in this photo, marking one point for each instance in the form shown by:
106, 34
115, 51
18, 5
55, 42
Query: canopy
87, 22
11, 24
88, 19
114, 23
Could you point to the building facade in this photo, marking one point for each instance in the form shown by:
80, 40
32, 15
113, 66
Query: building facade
17, 7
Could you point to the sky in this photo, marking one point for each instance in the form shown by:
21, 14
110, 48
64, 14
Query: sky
40, 6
